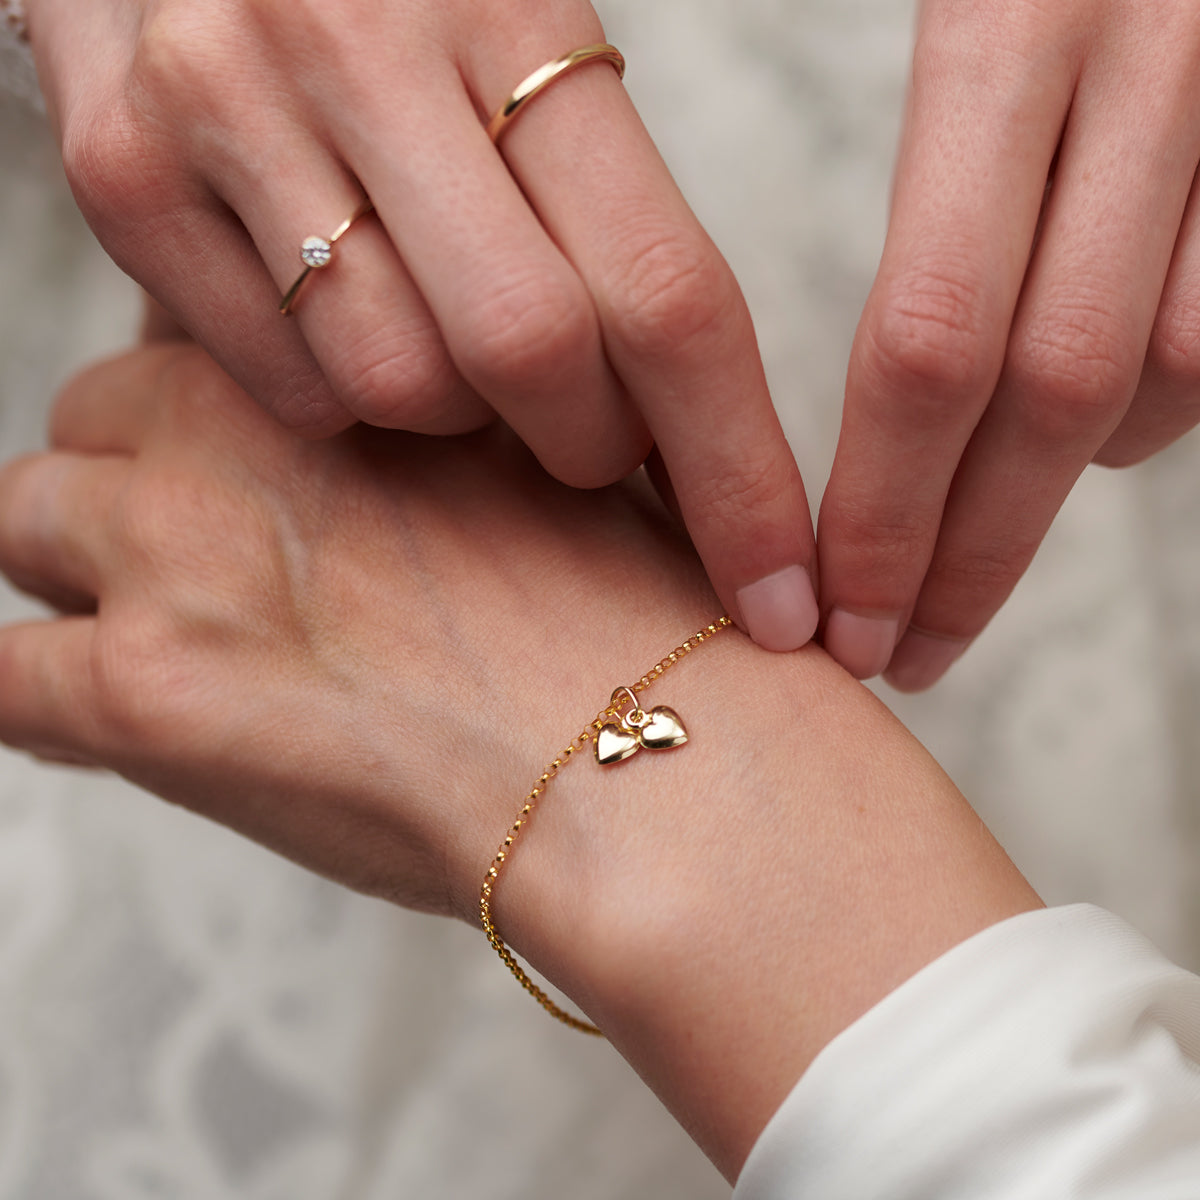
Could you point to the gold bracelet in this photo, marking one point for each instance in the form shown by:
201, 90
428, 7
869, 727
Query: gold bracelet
616, 734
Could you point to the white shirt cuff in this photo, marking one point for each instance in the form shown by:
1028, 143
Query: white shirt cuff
1055, 1055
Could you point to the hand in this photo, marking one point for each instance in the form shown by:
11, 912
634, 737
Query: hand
565, 286
333, 647
361, 652
1037, 308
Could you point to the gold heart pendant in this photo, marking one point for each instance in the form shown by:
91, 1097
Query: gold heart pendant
658, 729
663, 731
615, 744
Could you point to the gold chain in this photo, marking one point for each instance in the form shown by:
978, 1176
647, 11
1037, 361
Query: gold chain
588, 734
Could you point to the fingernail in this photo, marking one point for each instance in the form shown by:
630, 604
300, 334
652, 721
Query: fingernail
780, 610
863, 645
921, 660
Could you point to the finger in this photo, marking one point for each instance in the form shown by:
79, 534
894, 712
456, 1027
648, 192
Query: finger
1167, 402
45, 703
368, 326
52, 509
158, 325
110, 407
970, 181
1075, 355
195, 258
678, 333
804, 623
167, 206
142, 189
660, 479
515, 316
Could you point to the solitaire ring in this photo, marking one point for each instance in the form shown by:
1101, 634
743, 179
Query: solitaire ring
316, 253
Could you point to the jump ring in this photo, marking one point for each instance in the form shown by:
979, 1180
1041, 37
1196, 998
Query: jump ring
316, 253
544, 76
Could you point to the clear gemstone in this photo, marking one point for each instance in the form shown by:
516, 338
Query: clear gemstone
315, 252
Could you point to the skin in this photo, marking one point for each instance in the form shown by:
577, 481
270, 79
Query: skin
564, 286
1016, 331
1037, 308
361, 651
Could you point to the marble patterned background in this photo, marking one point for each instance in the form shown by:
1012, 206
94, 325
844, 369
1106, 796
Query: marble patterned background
183, 1016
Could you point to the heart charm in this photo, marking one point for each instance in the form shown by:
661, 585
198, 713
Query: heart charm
663, 730
614, 744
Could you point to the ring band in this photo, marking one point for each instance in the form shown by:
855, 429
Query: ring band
544, 76
316, 253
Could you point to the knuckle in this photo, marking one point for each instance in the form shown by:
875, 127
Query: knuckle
302, 400
177, 52
531, 331
942, 51
1121, 451
976, 580
111, 166
149, 695
1074, 372
877, 542
402, 388
1148, 427
607, 458
1175, 341
744, 486
300, 22
678, 292
196, 99
928, 339
144, 523
125, 682
961, 42
271, 13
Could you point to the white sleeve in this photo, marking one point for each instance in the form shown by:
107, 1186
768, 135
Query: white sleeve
1053, 1056
17, 75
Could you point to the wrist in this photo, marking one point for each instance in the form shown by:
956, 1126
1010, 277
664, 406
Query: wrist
724, 910
626, 601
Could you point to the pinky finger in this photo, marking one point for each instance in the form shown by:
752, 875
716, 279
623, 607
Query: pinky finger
45, 703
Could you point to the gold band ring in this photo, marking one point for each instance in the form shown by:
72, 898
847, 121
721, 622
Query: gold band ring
544, 76
316, 253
